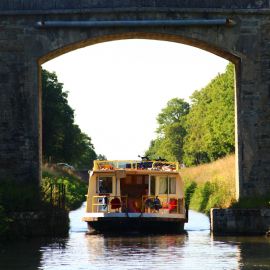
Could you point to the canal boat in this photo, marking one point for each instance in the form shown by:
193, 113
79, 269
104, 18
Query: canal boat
135, 196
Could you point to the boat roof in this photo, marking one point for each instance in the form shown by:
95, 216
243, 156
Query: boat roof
136, 166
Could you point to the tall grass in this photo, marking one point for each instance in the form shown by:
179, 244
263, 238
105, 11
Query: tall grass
210, 185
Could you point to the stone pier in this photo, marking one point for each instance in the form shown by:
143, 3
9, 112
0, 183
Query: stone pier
240, 221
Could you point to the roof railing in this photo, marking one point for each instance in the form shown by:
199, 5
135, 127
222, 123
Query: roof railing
154, 165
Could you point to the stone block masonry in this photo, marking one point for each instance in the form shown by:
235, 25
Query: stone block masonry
38, 224
41, 5
240, 221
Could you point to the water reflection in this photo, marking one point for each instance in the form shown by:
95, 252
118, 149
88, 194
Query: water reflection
194, 250
24, 255
143, 252
254, 252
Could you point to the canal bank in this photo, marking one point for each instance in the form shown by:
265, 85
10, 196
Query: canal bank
210, 188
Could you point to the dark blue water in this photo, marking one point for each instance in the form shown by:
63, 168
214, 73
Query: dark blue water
195, 250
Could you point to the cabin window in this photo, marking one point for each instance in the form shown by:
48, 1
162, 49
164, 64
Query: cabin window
172, 185
163, 185
152, 185
139, 180
167, 185
104, 184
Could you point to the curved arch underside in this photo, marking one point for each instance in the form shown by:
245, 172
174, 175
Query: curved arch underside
140, 35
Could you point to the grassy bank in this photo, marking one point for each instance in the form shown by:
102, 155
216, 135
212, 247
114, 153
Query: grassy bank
75, 188
210, 185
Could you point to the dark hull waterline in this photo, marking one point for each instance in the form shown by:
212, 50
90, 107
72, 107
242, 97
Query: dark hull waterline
139, 225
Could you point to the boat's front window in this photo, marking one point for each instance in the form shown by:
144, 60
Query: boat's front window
104, 184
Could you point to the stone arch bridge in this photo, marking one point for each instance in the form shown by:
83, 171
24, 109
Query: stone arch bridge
32, 32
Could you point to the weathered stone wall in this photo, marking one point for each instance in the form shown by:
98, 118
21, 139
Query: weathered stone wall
240, 221
34, 5
19, 99
23, 47
38, 224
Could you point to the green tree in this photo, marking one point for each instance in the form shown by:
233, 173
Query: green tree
62, 139
171, 131
101, 157
210, 123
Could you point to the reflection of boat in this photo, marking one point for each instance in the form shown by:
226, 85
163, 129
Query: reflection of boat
143, 196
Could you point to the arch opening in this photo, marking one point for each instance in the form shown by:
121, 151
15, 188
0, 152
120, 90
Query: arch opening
106, 39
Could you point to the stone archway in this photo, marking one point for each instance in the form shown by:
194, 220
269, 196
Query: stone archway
24, 46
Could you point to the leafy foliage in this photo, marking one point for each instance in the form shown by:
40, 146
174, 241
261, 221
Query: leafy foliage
202, 132
210, 194
63, 140
210, 185
75, 188
101, 157
190, 188
171, 131
210, 123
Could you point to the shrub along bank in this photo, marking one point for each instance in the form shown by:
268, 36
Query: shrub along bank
210, 185
75, 188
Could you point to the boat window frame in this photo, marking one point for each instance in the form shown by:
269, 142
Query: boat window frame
159, 185
169, 185
97, 183
168, 182
152, 178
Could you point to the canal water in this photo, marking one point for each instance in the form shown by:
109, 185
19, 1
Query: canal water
196, 249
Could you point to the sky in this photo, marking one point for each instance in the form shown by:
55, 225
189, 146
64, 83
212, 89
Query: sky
118, 88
